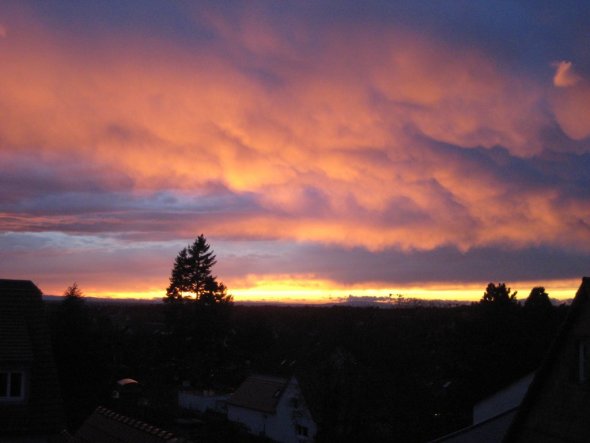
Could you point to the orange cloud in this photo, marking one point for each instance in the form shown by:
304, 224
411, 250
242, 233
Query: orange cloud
346, 145
571, 106
565, 75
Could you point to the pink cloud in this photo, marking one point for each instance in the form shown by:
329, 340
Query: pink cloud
341, 145
565, 74
571, 101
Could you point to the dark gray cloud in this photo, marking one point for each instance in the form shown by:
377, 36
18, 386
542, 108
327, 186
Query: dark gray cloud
394, 267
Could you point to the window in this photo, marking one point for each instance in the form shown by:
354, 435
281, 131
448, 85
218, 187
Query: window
11, 385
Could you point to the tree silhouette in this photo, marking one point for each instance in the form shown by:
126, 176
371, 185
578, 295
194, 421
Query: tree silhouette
199, 309
73, 304
192, 277
498, 295
76, 351
538, 299
73, 292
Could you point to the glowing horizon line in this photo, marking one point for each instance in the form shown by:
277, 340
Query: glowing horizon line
306, 293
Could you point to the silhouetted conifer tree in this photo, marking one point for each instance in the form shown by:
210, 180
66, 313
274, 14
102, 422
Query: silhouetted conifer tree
73, 296
198, 313
76, 352
192, 277
73, 310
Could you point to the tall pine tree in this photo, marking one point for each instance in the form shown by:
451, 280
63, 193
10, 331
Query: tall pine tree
192, 277
198, 313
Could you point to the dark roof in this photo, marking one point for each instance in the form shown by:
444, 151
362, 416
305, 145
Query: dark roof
261, 393
106, 426
488, 431
25, 344
543, 374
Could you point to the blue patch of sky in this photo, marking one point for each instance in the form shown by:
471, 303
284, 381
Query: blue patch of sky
31, 241
22, 241
526, 35
101, 202
155, 18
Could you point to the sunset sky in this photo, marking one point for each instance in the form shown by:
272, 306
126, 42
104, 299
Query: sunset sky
323, 148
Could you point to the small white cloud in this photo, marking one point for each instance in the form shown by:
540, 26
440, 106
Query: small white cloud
3, 31
565, 75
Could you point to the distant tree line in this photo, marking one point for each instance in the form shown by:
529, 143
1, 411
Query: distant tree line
369, 374
498, 295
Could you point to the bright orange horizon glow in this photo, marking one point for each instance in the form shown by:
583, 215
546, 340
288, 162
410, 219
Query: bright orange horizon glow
269, 290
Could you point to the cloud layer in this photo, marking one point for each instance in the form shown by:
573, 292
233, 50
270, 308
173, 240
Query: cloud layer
347, 129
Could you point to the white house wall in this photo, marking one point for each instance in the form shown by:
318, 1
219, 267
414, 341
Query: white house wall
280, 426
255, 421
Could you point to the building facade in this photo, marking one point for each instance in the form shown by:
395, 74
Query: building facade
31, 408
273, 407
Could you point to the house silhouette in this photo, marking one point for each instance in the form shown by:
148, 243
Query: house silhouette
31, 406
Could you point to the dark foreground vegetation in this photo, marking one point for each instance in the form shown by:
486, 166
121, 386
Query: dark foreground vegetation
368, 374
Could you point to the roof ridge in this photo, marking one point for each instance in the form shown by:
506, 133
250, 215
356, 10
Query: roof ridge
543, 371
273, 378
134, 423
